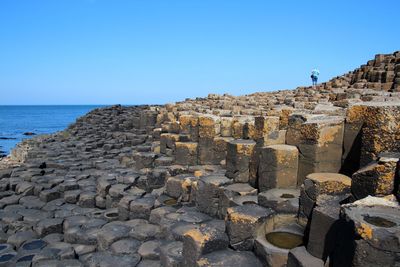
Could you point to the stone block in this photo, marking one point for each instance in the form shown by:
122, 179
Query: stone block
209, 126
372, 237
189, 124
226, 126
180, 186
238, 160
375, 179
243, 223
319, 139
186, 153
325, 226
167, 141
207, 193
318, 184
171, 254
206, 238
299, 257
229, 196
266, 130
278, 167
280, 200
381, 130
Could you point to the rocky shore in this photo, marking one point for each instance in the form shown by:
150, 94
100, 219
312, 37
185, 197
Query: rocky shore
305, 177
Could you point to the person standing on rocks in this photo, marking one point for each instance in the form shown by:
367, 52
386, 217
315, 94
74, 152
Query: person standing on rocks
314, 76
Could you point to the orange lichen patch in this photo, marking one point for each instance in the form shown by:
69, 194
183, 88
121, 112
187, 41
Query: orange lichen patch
355, 114
322, 178
186, 184
198, 173
203, 262
188, 120
206, 121
310, 131
191, 146
245, 149
198, 236
365, 231
239, 217
330, 134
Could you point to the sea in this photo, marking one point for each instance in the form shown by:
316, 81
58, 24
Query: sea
17, 120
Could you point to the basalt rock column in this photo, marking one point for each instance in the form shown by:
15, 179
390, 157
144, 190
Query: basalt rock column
381, 131
278, 167
375, 179
189, 125
186, 153
243, 223
209, 128
238, 160
319, 140
318, 184
373, 233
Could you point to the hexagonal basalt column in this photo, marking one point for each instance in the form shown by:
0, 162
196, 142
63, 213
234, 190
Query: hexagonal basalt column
318, 184
278, 167
209, 128
325, 227
186, 153
207, 193
319, 139
381, 130
373, 233
189, 125
267, 130
243, 223
232, 195
203, 239
180, 186
238, 160
376, 179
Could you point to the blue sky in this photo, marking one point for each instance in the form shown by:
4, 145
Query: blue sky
149, 51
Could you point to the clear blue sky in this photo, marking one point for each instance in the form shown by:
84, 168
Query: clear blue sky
149, 51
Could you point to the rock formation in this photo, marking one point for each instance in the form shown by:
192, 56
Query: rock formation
304, 177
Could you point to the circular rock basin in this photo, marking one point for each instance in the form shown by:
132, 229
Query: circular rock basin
284, 240
279, 233
249, 202
111, 215
6, 257
379, 221
34, 244
170, 202
287, 195
26, 258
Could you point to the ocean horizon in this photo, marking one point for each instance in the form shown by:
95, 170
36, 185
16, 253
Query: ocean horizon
18, 120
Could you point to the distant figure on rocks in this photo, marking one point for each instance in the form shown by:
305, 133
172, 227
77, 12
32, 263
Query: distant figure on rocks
314, 77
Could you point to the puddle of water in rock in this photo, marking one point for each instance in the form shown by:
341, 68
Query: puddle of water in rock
379, 221
6, 257
3, 247
284, 240
170, 202
112, 214
248, 202
36, 244
287, 195
26, 258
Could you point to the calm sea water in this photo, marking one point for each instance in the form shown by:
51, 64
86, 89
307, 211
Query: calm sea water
17, 120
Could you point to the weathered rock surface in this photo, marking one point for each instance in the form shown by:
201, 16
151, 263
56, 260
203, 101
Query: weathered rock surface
196, 182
